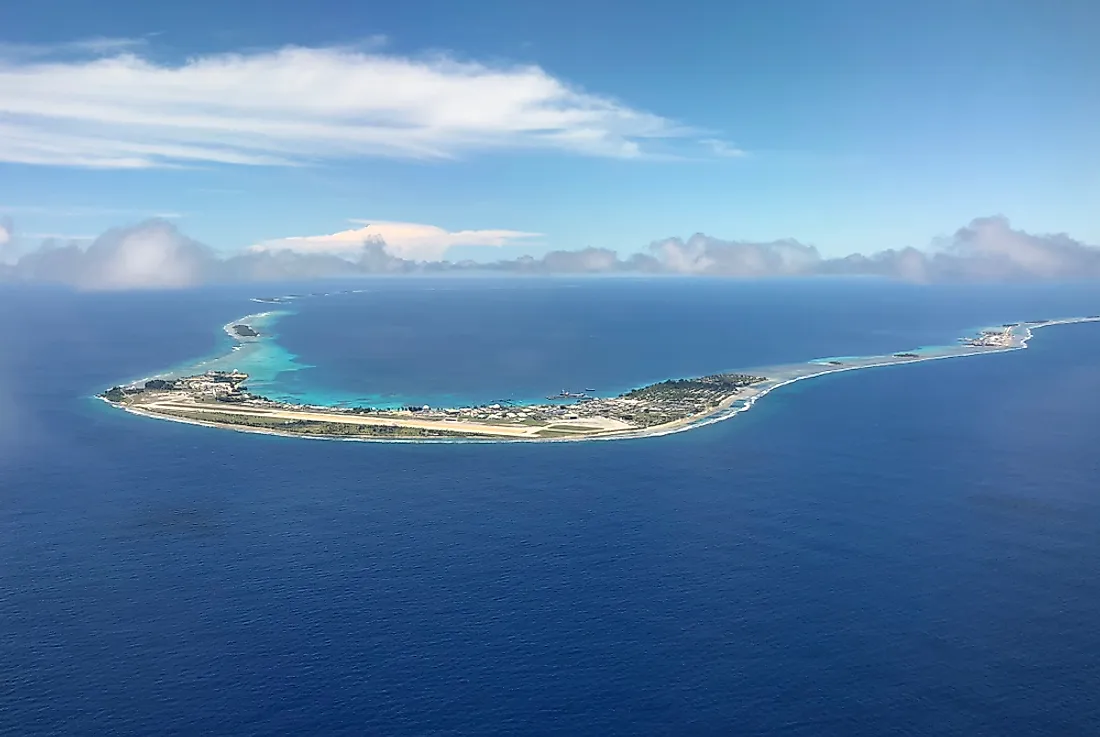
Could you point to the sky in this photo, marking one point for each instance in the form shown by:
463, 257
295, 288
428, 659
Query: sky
490, 129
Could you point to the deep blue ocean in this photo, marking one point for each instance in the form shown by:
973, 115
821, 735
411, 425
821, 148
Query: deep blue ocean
909, 550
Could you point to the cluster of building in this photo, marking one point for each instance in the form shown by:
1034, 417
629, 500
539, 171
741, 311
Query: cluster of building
222, 386
642, 413
1002, 338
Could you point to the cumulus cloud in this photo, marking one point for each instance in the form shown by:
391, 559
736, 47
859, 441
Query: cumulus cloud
295, 105
152, 255
412, 241
991, 247
585, 261
155, 254
702, 254
988, 249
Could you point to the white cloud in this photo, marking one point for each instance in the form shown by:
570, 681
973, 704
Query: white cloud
297, 105
723, 148
155, 254
57, 237
96, 46
412, 241
79, 211
152, 256
994, 238
8, 242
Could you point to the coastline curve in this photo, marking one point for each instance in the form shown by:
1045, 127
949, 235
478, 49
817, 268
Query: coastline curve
218, 397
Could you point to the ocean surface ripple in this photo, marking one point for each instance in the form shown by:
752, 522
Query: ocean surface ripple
897, 551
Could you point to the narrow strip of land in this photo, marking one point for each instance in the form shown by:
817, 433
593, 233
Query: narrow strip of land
303, 415
222, 399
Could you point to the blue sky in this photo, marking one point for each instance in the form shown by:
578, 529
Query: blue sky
856, 125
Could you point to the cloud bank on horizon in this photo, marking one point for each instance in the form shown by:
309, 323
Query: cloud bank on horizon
411, 241
156, 254
103, 105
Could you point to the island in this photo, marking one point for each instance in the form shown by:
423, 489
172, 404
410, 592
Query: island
1005, 336
222, 398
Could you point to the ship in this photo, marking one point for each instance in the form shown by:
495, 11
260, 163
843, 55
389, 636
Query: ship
565, 394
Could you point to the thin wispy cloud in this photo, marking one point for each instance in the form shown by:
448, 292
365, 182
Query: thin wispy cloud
59, 236
78, 211
298, 105
88, 47
722, 148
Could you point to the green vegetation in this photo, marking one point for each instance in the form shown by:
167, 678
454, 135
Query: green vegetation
657, 404
245, 331
673, 389
556, 434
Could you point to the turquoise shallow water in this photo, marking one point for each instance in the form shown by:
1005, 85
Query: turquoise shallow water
279, 373
272, 368
265, 359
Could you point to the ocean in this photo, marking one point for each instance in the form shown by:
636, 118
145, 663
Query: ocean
903, 550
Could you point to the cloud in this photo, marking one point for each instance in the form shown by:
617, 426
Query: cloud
8, 243
297, 105
96, 46
60, 236
990, 247
907, 264
723, 148
585, 261
148, 256
77, 211
411, 241
155, 254
702, 254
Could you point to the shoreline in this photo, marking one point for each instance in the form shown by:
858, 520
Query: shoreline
247, 321
1016, 335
